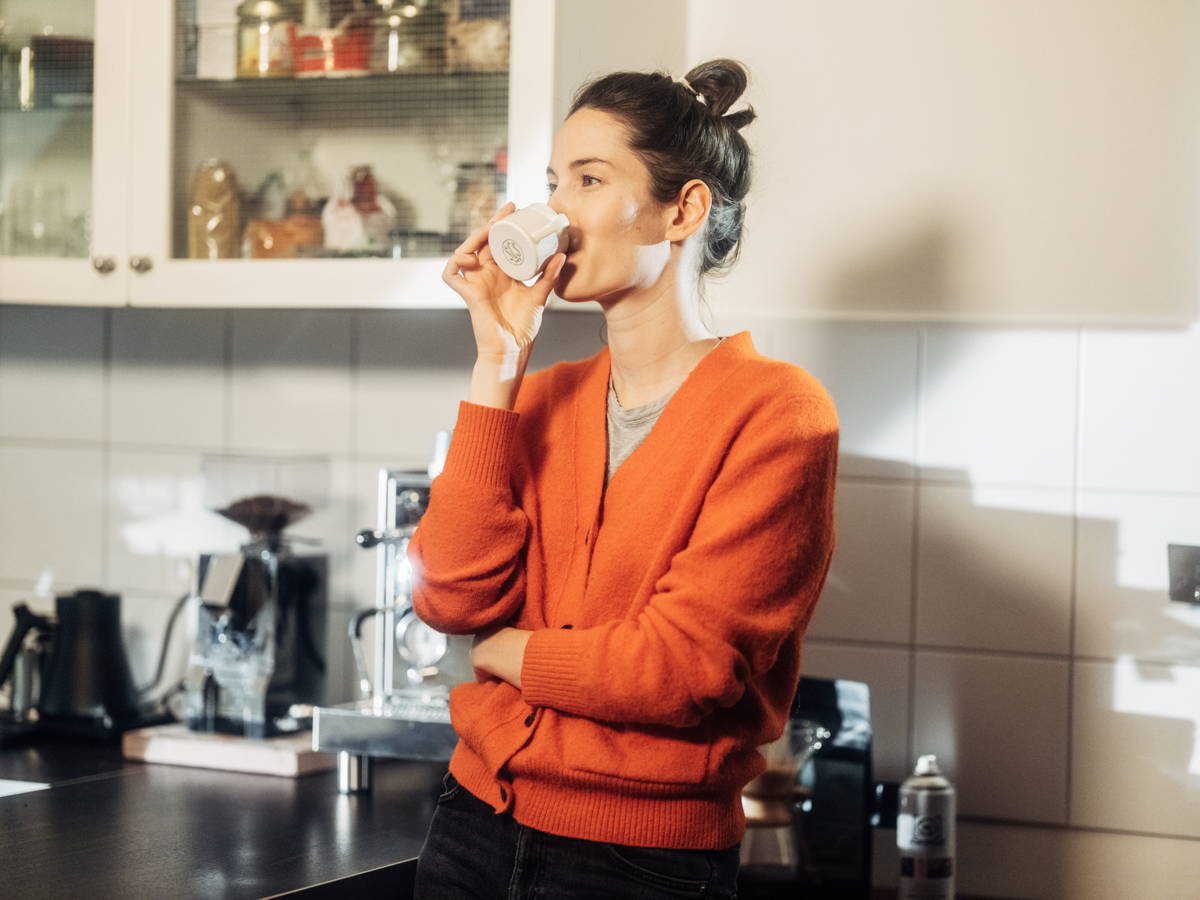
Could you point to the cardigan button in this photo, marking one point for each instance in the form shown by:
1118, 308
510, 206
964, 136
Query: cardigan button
529, 721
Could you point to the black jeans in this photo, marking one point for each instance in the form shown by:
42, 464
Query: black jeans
470, 852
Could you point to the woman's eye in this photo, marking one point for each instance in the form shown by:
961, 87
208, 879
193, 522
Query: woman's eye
592, 178
550, 188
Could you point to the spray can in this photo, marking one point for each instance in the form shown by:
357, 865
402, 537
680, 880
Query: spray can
925, 834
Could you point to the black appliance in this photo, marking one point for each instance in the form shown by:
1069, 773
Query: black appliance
835, 823
286, 593
85, 687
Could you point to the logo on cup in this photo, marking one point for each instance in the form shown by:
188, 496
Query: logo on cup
512, 251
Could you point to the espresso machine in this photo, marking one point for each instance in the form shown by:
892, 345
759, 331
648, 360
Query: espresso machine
257, 663
403, 707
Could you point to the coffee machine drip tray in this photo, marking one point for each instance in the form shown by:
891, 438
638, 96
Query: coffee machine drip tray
407, 725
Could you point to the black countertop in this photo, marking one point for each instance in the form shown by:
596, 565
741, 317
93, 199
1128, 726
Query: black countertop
109, 827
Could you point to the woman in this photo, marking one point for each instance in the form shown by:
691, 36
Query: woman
638, 620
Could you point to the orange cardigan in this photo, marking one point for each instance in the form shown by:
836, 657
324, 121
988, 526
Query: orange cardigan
667, 610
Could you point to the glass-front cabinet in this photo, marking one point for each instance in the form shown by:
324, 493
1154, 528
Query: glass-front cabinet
263, 152
64, 134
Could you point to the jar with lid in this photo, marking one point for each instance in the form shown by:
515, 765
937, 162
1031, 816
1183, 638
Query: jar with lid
266, 32
409, 37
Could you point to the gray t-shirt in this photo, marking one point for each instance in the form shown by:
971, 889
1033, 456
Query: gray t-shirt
627, 428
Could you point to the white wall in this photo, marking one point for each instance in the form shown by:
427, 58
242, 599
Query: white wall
976, 161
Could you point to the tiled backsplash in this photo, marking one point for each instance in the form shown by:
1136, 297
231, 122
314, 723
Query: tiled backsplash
1005, 503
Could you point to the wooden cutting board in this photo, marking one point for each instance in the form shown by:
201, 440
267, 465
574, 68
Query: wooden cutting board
289, 755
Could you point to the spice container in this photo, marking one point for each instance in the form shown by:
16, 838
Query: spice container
266, 32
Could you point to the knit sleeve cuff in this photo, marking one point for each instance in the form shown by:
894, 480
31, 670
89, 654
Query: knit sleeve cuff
550, 670
481, 446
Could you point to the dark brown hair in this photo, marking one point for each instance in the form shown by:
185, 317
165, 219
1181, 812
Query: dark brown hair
681, 134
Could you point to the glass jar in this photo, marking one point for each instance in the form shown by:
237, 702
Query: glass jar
475, 198
266, 31
409, 37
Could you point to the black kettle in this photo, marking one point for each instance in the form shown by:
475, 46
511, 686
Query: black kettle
87, 688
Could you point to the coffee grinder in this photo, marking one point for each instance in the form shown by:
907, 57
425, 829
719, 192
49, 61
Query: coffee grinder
257, 664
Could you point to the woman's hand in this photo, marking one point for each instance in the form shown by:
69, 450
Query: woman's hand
500, 652
505, 313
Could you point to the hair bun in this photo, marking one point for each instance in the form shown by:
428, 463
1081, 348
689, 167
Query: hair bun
721, 82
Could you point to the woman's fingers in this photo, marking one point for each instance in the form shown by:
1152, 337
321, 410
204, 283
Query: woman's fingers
545, 284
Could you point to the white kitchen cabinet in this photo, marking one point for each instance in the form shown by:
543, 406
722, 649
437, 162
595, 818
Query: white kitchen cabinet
127, 154
62, 163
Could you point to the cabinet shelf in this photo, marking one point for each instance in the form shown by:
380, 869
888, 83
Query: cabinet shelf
478, 87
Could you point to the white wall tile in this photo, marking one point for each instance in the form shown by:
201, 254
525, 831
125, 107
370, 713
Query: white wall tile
1068, 864
144, 620
998, 726
412, 372
886, 674
291, 385
52, 372
1135, 749
51, 516
1123, 605
868, 592
332, 527
340, 682
1138, 424
994, 568
998, 406
168, 377
159, 523
414, 367
870, 370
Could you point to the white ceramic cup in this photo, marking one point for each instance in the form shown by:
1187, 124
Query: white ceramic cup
523, 242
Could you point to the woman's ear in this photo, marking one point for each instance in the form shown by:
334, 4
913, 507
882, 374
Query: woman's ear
687, 214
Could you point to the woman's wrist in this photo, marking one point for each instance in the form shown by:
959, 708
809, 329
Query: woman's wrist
495, 381
501, 653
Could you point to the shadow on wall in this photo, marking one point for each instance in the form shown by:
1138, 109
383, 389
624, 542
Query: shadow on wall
911, 270
996, 616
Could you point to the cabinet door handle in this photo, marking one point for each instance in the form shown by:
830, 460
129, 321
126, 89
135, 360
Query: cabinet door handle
103, 264
140, 264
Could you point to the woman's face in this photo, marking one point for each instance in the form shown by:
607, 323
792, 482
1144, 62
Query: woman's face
617, 229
